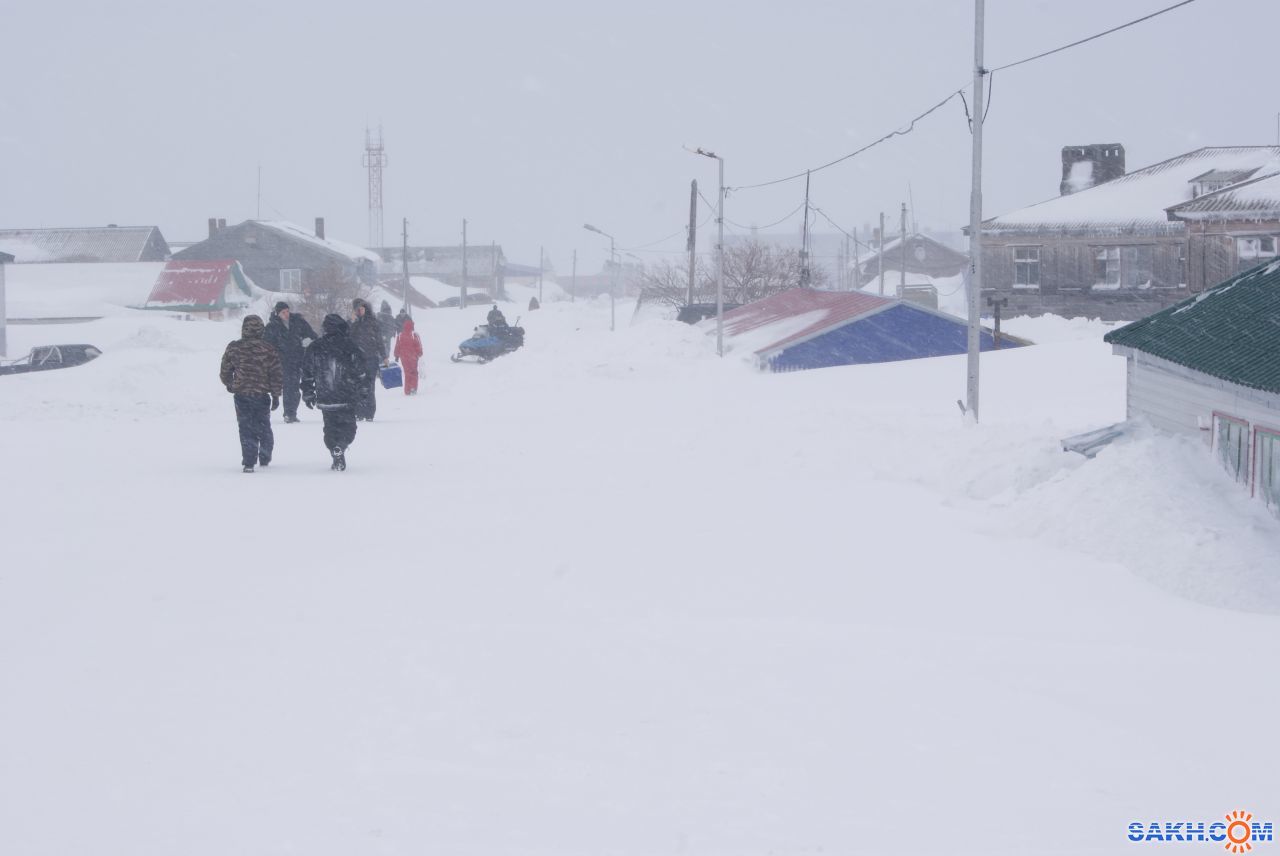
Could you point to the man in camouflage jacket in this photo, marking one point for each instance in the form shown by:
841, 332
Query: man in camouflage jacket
251, 372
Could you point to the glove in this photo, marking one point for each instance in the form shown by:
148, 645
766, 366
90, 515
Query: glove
310, 402
306, 342
275, 402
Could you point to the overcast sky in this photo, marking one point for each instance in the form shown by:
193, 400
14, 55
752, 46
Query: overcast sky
530, 119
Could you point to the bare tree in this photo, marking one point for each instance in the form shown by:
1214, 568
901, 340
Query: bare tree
667, 283
753, 270
330, 289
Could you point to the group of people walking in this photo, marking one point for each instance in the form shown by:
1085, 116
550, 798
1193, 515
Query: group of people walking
335, 372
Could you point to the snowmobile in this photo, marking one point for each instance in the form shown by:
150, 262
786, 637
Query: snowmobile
489, 341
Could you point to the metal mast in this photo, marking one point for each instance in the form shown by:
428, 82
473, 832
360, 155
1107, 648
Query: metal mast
375, 161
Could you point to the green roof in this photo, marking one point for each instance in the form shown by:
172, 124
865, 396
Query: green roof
1231, 331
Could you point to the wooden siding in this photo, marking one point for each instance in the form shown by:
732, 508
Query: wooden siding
1180, 400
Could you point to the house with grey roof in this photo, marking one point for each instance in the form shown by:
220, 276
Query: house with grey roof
283, 257
1231, 229
85, 244
1110, 245
1209, 367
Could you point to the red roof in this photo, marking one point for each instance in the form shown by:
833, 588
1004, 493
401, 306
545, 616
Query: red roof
822, 310
194, 283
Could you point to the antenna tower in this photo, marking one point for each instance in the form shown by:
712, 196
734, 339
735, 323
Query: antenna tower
375, 160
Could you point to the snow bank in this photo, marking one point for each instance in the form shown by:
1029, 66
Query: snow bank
627, 597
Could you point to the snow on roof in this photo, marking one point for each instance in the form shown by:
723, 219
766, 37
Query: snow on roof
1257, 198
1136, 201
798, 313
81, 244
342, 248
196, 283
892, 278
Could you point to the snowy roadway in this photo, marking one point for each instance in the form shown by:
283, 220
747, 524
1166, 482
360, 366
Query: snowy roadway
611, 595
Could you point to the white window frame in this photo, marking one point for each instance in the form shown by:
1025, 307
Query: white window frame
1109, 256
291, 280
1231, 445
1257, 246
1025, 267
1266, 466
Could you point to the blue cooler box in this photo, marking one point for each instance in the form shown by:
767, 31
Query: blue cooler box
391, 377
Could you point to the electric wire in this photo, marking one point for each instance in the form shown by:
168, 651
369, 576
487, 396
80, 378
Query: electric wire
960, 93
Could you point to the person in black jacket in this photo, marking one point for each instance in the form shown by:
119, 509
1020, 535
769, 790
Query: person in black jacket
289, 334
334, 372
367, 336
387, 325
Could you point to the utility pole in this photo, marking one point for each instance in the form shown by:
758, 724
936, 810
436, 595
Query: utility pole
902, 284
975, 216
720, 267
881, 254
404, 262
496, 288
692, 243
855, 284
804, 237
573, 281
462, 298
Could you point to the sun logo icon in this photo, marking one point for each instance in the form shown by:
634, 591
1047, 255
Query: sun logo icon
1239, 832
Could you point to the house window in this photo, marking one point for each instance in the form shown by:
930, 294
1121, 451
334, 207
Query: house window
1026, 267
1267, 476
1256, 247
1137, 266
1106, 267
1231, 445
1182, 265
291, 280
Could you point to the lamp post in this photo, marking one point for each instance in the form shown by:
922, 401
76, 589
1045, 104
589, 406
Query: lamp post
719, 253
613, 259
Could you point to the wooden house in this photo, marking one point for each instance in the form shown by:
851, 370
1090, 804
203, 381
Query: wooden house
1209, 367
1231, 230
1110, 249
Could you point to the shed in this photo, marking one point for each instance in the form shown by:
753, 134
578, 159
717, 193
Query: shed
200, 286
1209, 367
807, 329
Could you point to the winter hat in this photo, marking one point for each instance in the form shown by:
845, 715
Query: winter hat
280, 307
334, 325
251, 327
408, 325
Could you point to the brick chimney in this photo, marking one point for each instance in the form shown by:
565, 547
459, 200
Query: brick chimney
320, 228
222, 223
213, 226
1088, 166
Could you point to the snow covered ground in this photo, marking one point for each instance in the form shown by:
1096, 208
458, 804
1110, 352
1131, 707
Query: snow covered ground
611, 595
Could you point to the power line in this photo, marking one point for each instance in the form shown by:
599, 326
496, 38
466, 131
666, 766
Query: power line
898, 133
960, 93
1095, 36
793, 213
675, 234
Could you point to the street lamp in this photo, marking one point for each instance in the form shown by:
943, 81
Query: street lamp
719, 253
613, 259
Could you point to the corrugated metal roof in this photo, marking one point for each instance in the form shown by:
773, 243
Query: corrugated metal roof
797, 314
1136, 202
88, 244
1231, 331
197, 283
1249, 200
1231, 176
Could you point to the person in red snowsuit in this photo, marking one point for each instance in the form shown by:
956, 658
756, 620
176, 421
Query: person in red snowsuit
408, 351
